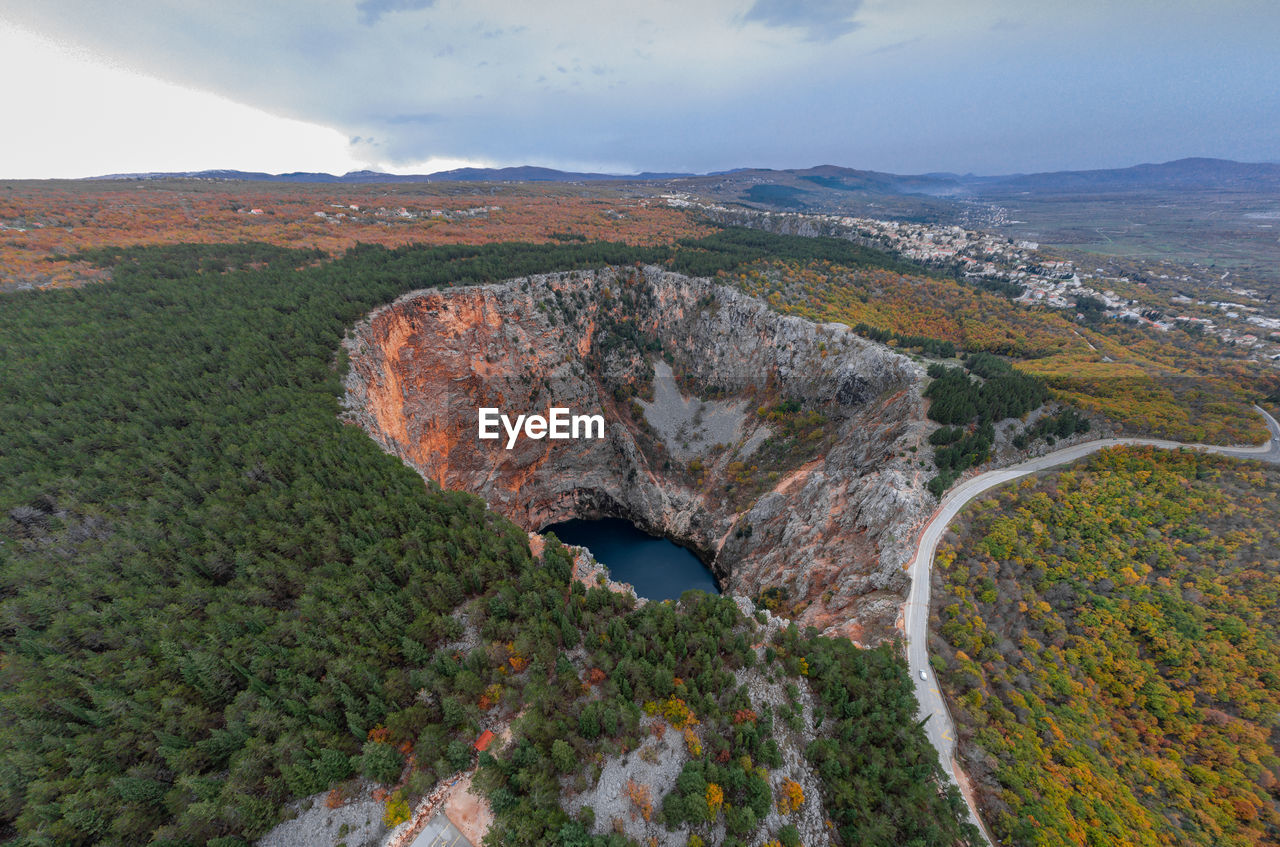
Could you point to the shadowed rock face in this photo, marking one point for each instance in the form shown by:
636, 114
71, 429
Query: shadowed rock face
828, 520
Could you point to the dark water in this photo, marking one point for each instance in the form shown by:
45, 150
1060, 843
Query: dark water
659, 569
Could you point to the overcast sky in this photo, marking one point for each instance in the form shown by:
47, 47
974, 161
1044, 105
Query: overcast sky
909, 86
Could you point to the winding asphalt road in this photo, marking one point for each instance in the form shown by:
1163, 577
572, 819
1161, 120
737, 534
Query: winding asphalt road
940, 729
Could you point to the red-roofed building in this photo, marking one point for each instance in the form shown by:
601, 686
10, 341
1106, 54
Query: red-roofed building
483, 742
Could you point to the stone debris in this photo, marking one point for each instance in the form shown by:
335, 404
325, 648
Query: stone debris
357, 822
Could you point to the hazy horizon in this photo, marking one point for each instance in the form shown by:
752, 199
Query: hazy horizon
633, 175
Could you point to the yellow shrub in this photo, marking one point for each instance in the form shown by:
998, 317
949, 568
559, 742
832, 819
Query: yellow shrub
715, 799
692, 743
790, 797
397, 811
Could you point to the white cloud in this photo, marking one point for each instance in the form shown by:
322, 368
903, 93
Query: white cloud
72, 114
82, 117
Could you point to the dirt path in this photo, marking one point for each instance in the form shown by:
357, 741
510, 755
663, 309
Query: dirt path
469, 812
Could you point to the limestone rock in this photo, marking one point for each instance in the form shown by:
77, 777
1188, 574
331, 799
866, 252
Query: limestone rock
833, 529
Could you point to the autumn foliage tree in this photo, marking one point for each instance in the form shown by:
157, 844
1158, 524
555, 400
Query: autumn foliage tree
1112, 648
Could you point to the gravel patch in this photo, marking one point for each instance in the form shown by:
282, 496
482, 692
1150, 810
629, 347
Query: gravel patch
357, 823
608, 797
470, 638
690, 427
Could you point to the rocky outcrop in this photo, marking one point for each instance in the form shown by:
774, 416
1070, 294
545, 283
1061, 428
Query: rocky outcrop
824, 518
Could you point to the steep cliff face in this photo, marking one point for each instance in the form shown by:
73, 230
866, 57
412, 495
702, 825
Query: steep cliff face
776, 448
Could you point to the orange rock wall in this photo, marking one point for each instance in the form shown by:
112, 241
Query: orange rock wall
827, 532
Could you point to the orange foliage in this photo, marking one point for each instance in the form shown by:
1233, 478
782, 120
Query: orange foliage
641, 798
692, 743
790, 797
715, 799
490, 697
40, 222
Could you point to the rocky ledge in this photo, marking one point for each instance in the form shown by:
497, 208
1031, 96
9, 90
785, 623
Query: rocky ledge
781, 451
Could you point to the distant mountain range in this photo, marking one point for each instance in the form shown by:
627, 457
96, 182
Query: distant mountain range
1193, 173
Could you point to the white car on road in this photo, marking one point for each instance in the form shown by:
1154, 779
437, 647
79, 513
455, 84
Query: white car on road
924, 676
